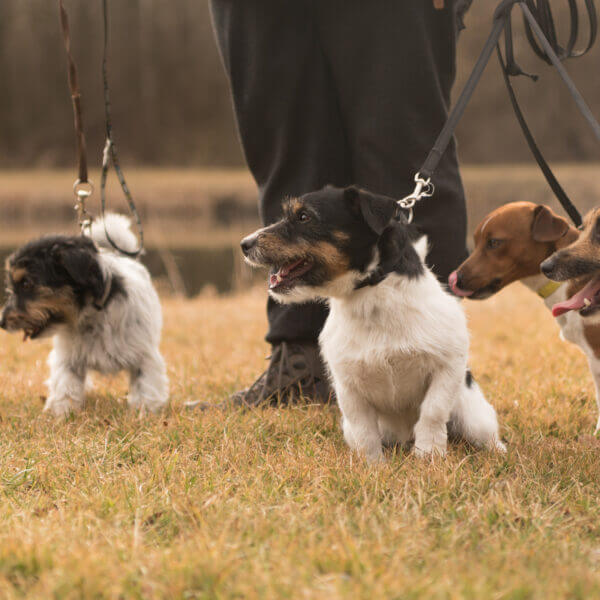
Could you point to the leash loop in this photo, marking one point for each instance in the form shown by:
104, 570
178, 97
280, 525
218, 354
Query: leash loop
109, 153
542, 36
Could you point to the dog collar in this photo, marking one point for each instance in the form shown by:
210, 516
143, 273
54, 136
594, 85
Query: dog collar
548, 289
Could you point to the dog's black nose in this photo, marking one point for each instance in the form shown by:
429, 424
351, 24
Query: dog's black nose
547, 266
2, 321
248, 243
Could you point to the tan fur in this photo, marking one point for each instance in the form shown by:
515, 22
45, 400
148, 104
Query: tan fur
17, 274
273, 246
583, 247
284, 252
340, 236
48, 301
295, 205
328, 254
518, 257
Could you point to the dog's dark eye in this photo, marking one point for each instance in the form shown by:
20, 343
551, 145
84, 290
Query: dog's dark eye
494, 243
303, 216
27, 285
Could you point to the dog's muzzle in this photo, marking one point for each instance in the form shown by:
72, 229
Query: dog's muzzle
248, 243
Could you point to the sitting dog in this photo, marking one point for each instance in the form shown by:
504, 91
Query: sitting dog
395, 342
99, 305
578, 265
518, 239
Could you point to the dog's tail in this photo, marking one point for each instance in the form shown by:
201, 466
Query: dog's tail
119, 230
474, 418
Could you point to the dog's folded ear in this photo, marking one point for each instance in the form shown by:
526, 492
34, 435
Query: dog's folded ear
377, 211
79, 260
396, 254
547, 226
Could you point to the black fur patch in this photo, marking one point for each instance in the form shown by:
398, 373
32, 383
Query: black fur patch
59, 261
396, 255
469, 378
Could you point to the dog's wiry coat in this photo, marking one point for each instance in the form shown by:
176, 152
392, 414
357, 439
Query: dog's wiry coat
101, 309
395, 342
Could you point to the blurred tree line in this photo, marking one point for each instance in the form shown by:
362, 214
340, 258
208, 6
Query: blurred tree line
170, 97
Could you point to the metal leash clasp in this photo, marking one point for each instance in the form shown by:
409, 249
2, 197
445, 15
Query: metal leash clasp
83, 190
424, 188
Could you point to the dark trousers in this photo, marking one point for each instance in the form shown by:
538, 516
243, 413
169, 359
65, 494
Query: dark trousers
344, 92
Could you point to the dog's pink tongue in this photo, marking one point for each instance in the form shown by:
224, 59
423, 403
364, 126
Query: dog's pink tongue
576, 301
452, 282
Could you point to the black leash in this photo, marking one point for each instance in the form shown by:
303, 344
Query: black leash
82, 187
110, 153
542, 25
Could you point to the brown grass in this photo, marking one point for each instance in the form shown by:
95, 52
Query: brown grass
271, 504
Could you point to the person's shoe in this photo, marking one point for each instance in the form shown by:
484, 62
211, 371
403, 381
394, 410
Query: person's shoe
295, 372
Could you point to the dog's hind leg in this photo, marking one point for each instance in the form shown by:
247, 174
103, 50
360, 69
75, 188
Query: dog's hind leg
66, 386
149, 384
431, 434
474, 419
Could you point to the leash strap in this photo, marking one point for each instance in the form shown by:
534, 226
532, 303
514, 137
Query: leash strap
75, 96
110, 154
559, 192
82, 187
547, 50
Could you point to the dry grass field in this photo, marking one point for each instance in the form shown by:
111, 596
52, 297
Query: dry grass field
270, 503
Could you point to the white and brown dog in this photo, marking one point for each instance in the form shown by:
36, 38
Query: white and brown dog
99, 306
395, 342
518, 241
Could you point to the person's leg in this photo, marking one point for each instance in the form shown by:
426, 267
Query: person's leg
290, 128
394, 64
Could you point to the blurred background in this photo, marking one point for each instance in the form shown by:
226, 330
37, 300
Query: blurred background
177, 140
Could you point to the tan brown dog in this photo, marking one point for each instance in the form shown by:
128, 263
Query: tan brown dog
579, 262
511, 244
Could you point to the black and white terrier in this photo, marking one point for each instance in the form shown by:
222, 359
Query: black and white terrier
395, 342
100, 307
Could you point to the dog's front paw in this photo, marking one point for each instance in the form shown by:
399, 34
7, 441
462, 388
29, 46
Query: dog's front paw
374, 457
430, 444
498, 446
146, 405
425, 451
430, 440
60, 407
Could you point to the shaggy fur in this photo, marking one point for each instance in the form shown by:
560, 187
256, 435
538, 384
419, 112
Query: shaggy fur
395, 342
99, 306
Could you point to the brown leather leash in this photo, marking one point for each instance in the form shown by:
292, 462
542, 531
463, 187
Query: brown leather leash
83, 187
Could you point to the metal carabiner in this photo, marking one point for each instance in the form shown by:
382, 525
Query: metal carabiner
424, 188
83, 190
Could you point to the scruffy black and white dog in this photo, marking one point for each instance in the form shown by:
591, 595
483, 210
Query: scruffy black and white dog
100, 307
395, 342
